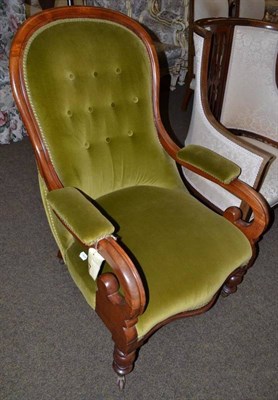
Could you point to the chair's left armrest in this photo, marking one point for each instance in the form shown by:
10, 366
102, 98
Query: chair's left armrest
79, 215
224, 172
85, 222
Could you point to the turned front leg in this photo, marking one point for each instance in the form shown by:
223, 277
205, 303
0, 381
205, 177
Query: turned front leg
231, 284
123, 364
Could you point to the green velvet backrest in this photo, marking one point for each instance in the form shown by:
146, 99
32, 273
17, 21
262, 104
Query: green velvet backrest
89, 82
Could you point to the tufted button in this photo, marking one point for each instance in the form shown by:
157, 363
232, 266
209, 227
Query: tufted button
108, 140
135, 99
87, 145
118, 70
71, 76
69, 113
130, 133
90, 109
113, 105
95, 74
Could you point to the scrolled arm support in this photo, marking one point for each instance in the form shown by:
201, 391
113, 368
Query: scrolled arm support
89, 226
126, 273
254, 229
120, 313
213, 171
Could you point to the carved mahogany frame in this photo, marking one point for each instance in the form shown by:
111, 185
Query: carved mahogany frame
120, 312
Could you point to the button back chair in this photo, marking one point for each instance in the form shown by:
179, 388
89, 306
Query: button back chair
236, 102
109, 182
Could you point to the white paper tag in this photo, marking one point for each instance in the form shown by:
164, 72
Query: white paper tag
83, 256
94, 262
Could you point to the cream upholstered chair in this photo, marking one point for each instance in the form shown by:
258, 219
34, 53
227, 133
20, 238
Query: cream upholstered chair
109, 182
209, 9
235, 108
198, 9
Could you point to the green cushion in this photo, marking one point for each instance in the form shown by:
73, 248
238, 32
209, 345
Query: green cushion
82, 218
210, 162
185, 250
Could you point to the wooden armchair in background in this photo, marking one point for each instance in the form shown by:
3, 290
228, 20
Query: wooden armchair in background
236, 102
199, 9
254, 9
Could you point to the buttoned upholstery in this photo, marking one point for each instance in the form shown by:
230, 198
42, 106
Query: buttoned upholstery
98, 108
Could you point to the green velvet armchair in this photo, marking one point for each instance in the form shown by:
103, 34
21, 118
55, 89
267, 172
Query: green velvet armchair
141, 249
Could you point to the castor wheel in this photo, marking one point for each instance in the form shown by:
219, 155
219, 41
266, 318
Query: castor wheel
121, 382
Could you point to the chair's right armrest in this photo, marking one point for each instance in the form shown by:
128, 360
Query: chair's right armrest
224, 172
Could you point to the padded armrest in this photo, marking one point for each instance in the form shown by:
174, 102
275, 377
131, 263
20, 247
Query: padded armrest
209, 162
79, 215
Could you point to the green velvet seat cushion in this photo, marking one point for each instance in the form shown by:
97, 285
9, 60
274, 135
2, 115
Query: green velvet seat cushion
184, 250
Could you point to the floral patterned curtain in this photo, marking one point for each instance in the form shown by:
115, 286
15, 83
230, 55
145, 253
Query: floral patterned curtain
167, 22
12, 14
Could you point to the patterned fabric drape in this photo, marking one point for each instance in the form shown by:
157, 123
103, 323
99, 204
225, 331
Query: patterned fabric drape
167, 22
12, 14
271, 10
